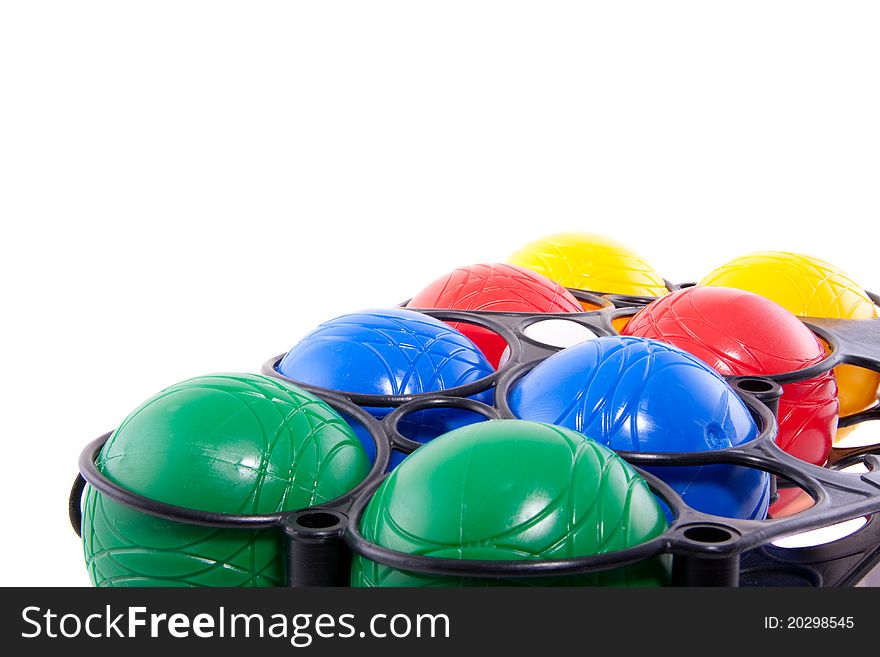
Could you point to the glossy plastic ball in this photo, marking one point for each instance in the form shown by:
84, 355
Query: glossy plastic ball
808, 287
738, 333
646, 396
230, 443
494, 287
586, 261
509, 489
391, 352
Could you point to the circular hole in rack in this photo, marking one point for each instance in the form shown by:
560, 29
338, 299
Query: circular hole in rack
779, 576
707, 534
754, 385
856, 468
823, 535
722, 489
791, 499
619, 323
558, 332
426, 424
861, 435
318, 520
363, 435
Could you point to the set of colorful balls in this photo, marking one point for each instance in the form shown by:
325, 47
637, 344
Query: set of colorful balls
543, 486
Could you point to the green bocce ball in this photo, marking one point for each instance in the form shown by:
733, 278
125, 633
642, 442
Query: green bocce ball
230, 443
512, 489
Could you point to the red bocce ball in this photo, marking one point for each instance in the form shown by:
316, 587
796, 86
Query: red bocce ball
495, 287
739, 333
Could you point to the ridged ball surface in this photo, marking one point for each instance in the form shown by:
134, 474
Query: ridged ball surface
231, 443
494, 287
586, 261
509, 489
391, 352
646, 396
738, 333
808, 287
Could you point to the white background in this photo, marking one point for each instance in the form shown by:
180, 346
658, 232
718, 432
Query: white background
189, 187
